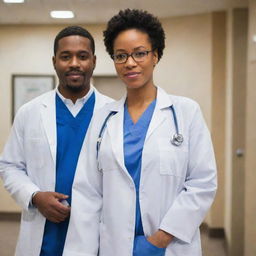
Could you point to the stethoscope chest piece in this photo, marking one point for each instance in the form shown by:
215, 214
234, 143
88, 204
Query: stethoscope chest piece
177, 139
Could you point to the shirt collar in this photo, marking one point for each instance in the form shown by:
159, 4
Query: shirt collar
82, 100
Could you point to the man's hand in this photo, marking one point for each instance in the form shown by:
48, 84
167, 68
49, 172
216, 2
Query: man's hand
48, 203
160, 239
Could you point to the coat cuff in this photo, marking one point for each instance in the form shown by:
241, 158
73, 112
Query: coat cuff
24, 198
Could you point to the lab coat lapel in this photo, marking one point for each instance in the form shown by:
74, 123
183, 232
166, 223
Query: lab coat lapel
115, 131
48, 114
163, 102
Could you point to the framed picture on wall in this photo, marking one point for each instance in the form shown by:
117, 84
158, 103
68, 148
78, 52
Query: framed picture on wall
27, 87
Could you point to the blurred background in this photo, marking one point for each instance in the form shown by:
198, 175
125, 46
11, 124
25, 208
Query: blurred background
210, 56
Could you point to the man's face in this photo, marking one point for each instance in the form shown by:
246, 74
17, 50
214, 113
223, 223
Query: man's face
74, 64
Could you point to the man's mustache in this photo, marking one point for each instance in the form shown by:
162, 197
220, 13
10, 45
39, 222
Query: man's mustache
75, 72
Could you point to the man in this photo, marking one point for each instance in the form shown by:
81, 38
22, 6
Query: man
39, 160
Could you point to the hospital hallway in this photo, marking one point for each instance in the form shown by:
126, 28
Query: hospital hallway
9, 232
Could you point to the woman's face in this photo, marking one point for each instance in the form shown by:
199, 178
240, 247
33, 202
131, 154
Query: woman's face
135, 74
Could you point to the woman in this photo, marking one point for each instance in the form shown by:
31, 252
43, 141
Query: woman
154, 189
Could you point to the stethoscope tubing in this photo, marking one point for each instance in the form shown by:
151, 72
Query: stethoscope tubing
176, 140
103, 127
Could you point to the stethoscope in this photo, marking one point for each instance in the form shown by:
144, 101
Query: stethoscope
177, 138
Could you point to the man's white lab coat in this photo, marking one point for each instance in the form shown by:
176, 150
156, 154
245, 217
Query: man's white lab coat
28, 164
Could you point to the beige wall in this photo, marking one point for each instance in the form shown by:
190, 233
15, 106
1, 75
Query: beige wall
218, 59
186, 68
250, 159
228, 130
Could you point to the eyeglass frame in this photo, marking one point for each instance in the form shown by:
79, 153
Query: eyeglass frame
131, 55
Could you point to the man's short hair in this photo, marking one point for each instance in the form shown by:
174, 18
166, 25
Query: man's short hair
73, 31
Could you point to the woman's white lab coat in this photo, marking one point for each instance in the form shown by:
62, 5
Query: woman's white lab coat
28, 164
177, 185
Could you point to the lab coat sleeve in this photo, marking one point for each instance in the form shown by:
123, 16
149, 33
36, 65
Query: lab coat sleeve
83, 232
13, 165
189, 208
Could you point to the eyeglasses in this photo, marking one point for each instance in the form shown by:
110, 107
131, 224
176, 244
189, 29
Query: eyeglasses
138, 56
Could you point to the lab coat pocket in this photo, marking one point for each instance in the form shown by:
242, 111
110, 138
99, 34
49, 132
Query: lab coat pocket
35, 148
173, 159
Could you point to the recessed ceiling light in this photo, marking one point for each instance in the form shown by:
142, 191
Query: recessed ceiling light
14, 1
62, 14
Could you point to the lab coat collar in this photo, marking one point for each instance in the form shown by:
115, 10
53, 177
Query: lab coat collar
117, 106
97, 96
49, 98
48, 114
163, 101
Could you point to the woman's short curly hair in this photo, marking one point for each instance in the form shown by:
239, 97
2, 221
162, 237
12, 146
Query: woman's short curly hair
138, 19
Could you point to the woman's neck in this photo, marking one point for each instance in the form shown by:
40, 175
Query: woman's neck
142, 96
138, 100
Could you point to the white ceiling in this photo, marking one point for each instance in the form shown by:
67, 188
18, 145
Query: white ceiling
99, 11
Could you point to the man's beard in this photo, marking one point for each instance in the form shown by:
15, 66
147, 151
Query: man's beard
75, 89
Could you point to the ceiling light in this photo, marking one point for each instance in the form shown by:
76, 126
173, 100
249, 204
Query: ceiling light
14, 1
62, 14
